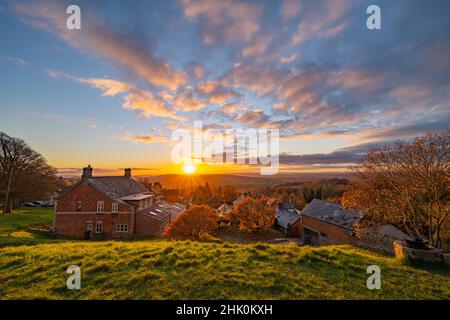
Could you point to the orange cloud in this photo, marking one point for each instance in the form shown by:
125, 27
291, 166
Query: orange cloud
229, 20
102, 40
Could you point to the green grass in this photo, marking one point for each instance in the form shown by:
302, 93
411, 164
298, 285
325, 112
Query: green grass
163, 269
32, 266
25, 220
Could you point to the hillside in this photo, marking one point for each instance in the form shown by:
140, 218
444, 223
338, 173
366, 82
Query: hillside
159, 269
245, 181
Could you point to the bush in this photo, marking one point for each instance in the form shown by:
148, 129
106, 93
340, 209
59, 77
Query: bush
253, 215
193, 223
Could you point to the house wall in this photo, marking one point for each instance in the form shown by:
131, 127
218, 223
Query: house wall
69, 222
296, 229
149, 226
88, 196
328, 233
74, 224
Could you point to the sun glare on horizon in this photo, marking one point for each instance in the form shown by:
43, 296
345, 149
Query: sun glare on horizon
189, 168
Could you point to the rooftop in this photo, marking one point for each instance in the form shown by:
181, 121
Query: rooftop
165, 209
331, 213
286, 214
118, 186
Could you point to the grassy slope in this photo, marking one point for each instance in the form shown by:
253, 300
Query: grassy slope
164, 269
24, 218
161, 269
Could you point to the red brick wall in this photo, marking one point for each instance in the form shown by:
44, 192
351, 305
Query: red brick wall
148, 226
88, 196
335, 234
296, 229
74, 224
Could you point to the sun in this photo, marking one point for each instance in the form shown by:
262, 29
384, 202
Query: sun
189, 168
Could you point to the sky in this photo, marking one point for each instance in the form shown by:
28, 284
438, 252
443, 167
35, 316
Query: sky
112, 93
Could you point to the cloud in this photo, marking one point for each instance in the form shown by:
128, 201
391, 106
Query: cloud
216, 93
102, 40
290, 9
256, 46
144, 102
18, 61
324, 19
141, 138
336, 157
227, 20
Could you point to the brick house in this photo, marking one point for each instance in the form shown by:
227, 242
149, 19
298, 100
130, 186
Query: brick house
326, 223
111, 207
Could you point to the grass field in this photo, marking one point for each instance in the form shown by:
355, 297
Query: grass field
25, 220
165, 269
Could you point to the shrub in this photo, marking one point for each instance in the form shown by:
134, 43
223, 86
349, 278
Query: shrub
193, 223
253, 215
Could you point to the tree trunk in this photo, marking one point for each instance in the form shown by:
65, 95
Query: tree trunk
8, 204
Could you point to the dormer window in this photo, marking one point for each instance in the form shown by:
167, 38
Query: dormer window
100, 206
115, 207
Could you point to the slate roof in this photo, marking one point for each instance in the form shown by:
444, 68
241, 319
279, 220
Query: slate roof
331, 213
287, 217
164, 209
118, 186
286, 214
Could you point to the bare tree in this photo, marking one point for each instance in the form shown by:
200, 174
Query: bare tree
406, 184
24, 173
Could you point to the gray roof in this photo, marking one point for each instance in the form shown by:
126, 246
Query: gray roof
287, 216
331, 213
117, 187
164, 209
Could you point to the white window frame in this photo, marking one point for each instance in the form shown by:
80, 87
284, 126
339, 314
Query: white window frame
100, 206
115, 207
122, 228
98, 226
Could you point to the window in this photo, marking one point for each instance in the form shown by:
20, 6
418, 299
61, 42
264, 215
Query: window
146, 203
115, 207
99, 227
100, 206
141, 204
88, 226
78, 206
122, 227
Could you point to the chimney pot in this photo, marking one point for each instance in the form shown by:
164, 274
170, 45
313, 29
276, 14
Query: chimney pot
127, 172
87, 172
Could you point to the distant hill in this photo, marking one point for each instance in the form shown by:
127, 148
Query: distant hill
243, 180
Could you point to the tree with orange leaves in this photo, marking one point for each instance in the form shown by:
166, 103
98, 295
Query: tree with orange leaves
253, 215
407, 185
193, 223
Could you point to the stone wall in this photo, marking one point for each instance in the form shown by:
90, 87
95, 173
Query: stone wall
380, 238
431, 255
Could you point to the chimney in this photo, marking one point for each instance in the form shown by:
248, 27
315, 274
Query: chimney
87, 172
127, 172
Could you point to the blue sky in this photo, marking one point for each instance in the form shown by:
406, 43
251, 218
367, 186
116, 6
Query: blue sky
111, 93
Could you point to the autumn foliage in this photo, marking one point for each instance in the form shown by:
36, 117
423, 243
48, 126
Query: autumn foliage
193, 223
253, 215
407, 185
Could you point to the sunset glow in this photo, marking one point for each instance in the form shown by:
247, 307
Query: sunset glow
189, 168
